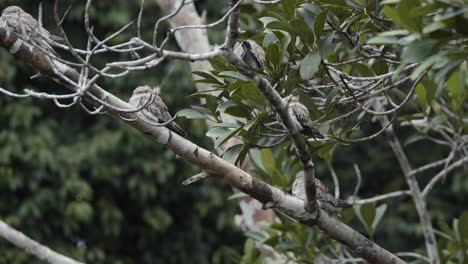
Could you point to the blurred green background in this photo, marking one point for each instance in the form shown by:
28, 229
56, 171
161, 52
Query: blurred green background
92, 187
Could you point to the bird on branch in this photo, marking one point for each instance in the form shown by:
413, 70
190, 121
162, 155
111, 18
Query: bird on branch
325, 200
301, 117
27, 28
251, 53
156, 110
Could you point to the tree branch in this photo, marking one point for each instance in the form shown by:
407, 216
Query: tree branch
40, 251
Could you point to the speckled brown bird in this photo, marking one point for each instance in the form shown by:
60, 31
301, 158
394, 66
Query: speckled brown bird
251, 53
156, 111
26, 27
301, 117
325, 200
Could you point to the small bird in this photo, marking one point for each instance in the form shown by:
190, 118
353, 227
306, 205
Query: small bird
26, 27
251, 53
156, 110
325, 200
301, 116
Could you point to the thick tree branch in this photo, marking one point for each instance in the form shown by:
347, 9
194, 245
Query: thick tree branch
41, 252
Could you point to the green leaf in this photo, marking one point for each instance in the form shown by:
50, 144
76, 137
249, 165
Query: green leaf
280, 25
233, 74
238, 111
426, 64
404, 16
221, 133
363, 70
308, 17
310, 65
303, 31
421, 95
327, 45
250, 252
366, 214
289, 8
380, 68
284, 45
325, 150
273, 55
269, 39
208, 77
320, 23
267, 20
463, 225
313, 9
232, 152
455, 87
268, 161
378, 215
220, 64
446, 228
407, 10
191, 114
232, 108
252, 93
417, 51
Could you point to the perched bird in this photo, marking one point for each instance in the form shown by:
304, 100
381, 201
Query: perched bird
325, 200
301, 116
156, 110
26, 27
251, 53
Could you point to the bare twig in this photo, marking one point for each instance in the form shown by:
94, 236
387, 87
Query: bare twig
442, 174
382, 197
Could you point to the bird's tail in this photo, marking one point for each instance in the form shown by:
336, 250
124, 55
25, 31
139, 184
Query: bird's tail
313, 132
176, 128
343, 204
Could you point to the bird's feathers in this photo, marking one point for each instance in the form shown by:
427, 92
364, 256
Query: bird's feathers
251, 53
26, 27
156, 110
324, 198
301, 117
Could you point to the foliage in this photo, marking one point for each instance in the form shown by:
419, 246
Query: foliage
302, 37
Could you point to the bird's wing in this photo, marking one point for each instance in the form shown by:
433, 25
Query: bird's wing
259, 54
164, 116
139, 101
136, 101
161, 110
303, 117
28, 29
